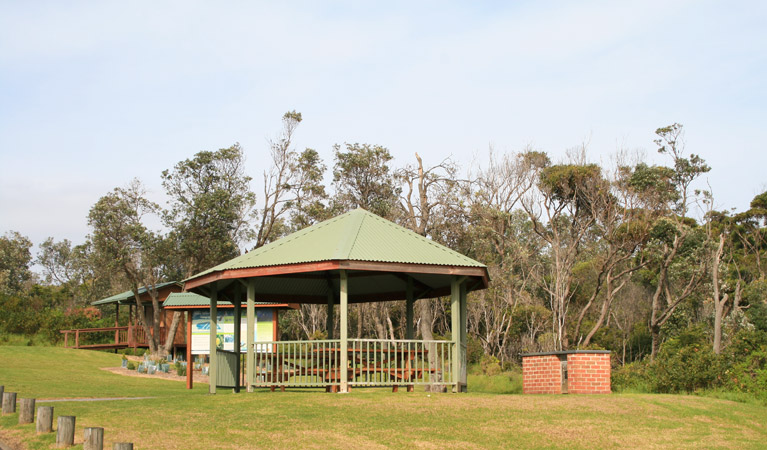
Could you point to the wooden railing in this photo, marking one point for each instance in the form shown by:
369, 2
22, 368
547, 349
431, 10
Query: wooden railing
119, 337
119, 334
371, 362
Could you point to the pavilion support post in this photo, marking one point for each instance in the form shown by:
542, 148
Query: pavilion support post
189, 365
463, 343
344, 300
250, 357
455, 329
409, 301
213, 332
117, 323
331, 319
237, 334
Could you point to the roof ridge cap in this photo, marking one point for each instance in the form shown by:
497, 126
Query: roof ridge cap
344, 247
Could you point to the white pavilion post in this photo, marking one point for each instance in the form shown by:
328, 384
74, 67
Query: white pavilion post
213, 332
344, 300
249, 339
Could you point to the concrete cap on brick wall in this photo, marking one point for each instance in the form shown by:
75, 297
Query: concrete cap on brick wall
567, 352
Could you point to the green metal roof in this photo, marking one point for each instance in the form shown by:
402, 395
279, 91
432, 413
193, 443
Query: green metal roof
177, 299
357, 235
128, 295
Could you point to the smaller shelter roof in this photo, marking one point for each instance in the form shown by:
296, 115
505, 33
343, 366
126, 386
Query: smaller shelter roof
123, 297
190, 300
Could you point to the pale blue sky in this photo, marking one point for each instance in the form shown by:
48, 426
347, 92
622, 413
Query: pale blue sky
93, 94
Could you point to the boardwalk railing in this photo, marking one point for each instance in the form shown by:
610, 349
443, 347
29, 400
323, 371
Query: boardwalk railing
96, 337
114, 337
371, 362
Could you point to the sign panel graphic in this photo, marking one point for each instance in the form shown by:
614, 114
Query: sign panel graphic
225, 329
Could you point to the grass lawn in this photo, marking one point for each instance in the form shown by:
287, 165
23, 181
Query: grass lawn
181, 419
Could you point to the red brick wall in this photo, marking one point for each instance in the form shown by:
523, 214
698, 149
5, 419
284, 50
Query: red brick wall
588, 373
541, 374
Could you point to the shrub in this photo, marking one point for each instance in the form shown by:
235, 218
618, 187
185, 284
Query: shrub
632, 377
131, 365
180, 369
749, 375
474, 350
490, 365
687, 369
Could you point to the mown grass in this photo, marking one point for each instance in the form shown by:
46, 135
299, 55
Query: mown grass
178, 418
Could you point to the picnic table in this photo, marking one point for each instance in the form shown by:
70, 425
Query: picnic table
368, 365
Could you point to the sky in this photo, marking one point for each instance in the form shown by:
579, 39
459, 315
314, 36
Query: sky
94, 94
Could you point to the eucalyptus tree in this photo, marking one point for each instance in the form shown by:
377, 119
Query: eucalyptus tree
211, 205
621, 227
676, 245
279, 181
73, 267
15, 261
309, 201
362, 178
122, 242
563, 211
502, 237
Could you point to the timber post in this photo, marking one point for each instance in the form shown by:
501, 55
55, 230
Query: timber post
2, 391
117, 324
122, 446
250, 357
27, 410
212, 367
9, 403
65, 431
344, 297
44, 419
93, 438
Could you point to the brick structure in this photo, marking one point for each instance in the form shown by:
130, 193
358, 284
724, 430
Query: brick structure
574, 372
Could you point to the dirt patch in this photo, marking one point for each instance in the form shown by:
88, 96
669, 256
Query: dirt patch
10, 440
198, 376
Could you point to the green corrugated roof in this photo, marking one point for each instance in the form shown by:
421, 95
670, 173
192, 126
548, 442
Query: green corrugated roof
357, 235
128, 295
192, 299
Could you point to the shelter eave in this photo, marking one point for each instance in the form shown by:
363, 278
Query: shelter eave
319, 270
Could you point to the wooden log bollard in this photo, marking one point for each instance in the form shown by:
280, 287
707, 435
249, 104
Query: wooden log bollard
27, 410
122, 446
2, 390
44, 419
65, 431
9, 402
93, 438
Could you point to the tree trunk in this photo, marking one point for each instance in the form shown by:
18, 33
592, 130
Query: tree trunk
719, 303
171, 334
